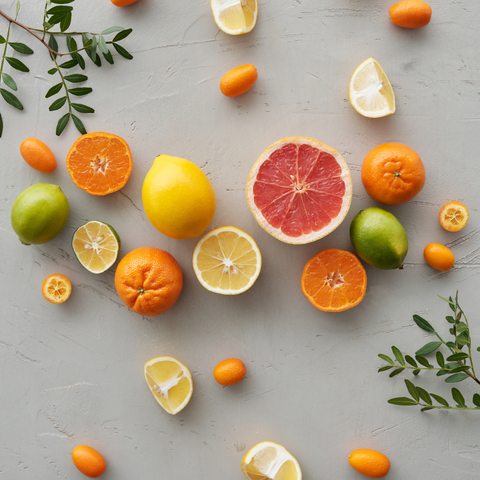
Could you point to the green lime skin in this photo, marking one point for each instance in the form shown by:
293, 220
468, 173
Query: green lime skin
379, 238
39, 213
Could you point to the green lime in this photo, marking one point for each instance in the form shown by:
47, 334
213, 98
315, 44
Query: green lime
379, 238
96, 246
40, 213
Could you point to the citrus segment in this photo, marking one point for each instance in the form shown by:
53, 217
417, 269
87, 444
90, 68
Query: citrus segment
170, 382
370, 91
99, 163
235, 16
453, 216
227, 261
334, 280
270, 461
299, 190
96, 246
56, 288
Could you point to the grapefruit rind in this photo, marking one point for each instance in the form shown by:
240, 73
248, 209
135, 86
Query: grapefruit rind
315, 235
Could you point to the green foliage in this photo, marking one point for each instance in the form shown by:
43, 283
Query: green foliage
458, 365
58, 14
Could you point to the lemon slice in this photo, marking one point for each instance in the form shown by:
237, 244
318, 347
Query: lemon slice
370, 91
235, 16
170, 383
270, 461
227, 261
96, 246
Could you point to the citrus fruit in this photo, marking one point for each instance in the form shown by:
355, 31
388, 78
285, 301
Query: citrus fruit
39, 213
122, 3
379, 238
270, 461
149, 281
235, 16
96, 246
56, 288
170, 383
227, 261
178, 198
453, 216
393, 173
299, 190
238, 81
410, 14
230, 371
370, 463
38, 155
88, 461
334, 280
99, 163
439, 257
370, 91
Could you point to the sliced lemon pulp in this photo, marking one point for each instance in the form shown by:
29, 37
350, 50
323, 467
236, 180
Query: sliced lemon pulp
96, 245
227, 261
270, 461
370, 91
235, 16
170, 383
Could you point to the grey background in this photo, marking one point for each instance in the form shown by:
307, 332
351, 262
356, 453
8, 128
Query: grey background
73, 374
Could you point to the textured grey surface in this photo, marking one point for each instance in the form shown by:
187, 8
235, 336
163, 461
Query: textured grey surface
72, 374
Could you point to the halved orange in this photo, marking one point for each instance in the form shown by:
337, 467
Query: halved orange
299, 190
453, 216
334, 280
100, 163
56, 288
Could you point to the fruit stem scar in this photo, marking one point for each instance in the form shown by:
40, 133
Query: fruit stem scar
334, 279
141, 291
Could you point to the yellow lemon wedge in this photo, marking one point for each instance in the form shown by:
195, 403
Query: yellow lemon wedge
370, 91
227, 261
170, 383
235, 16
270, 461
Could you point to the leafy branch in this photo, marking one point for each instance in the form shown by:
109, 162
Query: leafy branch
457, 367
93, 45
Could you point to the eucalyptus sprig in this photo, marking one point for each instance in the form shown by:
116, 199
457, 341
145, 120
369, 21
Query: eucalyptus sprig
457, 367
94, 45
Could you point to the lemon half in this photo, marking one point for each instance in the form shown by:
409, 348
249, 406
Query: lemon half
370, 91
235, 16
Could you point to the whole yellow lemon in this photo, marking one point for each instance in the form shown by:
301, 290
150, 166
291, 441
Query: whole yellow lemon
178, 198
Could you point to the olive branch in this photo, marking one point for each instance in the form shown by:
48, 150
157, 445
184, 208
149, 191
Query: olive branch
458, 366
94, 45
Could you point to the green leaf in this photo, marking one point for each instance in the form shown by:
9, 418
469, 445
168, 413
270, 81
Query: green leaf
383, 369
422, 323
65, 23
109, 57
71, 43
440, 359
416, 372
424, 409
111, 30
440, 400
93, 48
428, 348
123, 34
457, 356
398, 355
412, 389
102, 44
478, 349
17, 8
69, 64
456, 377
1, 125
21, 48
76, 78
17, 64
423, 361
11, 99
122, 52
54, 90
424, 395
450, 319
403, 401
81, 61
54, 19
9, 81
62, 123
451, 345
59, 103
460, 368
84, 109
463, 339
47, 26
78, 123
461, 327
62, 2
448, 368
2, 40
458, 397
387, 358
396, 372
411, 361
59, 10
476, 399
52, 71
80, 91
52, 43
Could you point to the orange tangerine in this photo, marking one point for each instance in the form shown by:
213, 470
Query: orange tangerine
410, 14
122, 3
230, 371
239, 80
453, 216
370, 463
56, 288
439, 257
38, 155
88, 461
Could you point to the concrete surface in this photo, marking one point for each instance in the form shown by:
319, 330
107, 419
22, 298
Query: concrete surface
73, 374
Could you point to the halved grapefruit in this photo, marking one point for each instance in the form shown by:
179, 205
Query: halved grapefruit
299, 190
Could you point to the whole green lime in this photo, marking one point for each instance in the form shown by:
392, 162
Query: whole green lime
379, 238
40, 213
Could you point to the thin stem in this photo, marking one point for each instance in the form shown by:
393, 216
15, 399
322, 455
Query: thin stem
447, 408
64, 85
5, 49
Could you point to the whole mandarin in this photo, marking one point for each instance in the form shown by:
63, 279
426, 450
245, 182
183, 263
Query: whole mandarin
370, 463
439, 257
239, 80
38, 155
88, 461
230, 371
410, 14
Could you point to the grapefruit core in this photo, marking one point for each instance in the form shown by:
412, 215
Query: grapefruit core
299, 190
